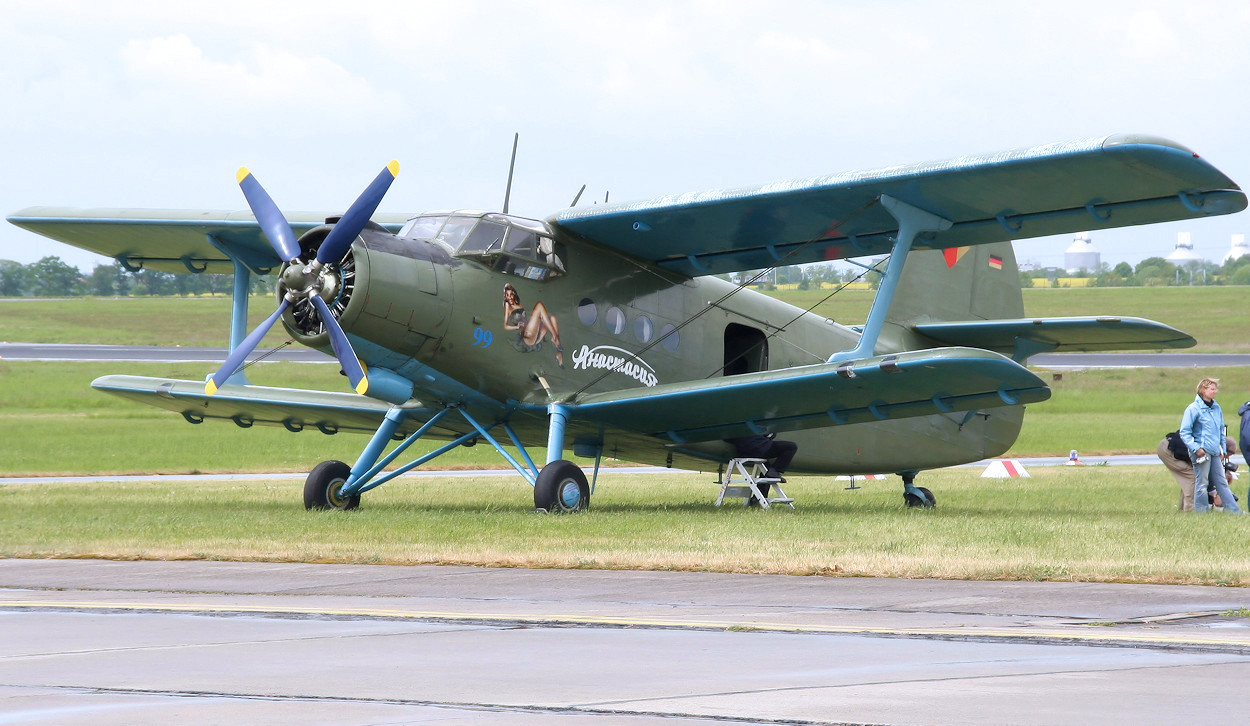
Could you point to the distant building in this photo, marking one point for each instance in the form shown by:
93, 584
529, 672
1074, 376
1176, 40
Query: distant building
1081, 255
1184, 253
1238, 250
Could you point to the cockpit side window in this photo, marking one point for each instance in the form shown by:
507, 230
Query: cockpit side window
485, 237
551, 254
522, 242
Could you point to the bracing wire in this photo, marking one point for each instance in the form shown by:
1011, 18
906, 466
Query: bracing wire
712, 305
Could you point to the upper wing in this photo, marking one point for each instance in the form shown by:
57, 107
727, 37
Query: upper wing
916, 383
1035, 335
1114, 181
171, 240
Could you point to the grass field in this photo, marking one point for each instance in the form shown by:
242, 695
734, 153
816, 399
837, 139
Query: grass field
192, 321
53, 423
1066, 523
1213, 315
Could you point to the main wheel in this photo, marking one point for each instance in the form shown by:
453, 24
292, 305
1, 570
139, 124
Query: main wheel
561, 487
914, 501
323, 486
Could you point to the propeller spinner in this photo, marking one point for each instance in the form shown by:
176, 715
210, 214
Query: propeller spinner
308, 281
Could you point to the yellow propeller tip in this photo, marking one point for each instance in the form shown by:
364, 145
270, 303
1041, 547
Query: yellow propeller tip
393, 167
242, 174
210, 388
362, 386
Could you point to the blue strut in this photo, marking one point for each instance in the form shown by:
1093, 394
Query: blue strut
555, 435
238, 316
364, 474
911, 222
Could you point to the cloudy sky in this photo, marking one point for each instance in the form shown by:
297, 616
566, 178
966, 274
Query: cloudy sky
156, 104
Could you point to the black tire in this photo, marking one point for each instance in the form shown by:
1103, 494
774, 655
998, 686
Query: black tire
561, 487
321, 488
914, 501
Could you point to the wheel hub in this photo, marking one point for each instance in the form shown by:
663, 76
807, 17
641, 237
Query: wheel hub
570, 494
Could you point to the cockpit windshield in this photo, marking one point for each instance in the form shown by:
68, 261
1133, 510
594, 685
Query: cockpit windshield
423, 227
513, 245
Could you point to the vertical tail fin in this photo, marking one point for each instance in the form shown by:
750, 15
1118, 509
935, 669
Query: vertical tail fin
964, 283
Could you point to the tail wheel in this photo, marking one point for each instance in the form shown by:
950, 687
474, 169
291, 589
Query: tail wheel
912, 500
561, 487
323, 487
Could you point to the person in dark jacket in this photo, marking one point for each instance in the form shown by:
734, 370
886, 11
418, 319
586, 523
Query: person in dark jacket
779, 454
1244, 412
1176, 458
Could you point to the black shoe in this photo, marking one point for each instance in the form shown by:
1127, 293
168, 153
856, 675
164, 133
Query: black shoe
774, 474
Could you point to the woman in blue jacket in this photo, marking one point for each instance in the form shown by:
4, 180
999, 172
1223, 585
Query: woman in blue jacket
1202, 430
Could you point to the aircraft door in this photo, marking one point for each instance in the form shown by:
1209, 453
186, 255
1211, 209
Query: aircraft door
746, 350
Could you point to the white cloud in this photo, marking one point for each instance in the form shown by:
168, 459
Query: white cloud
256, 91
147, 102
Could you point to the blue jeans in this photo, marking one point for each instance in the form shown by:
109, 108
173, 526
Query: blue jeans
1213, 469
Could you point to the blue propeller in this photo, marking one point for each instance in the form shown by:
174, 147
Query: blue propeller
356, 217
352, 366
306, 280
271, 220
235, 359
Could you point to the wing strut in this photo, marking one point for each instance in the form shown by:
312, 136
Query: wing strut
911, 223
239, 299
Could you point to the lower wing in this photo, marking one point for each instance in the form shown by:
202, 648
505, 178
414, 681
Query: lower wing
915, 383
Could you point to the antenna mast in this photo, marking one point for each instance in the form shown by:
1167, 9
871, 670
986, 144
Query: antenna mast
511, 167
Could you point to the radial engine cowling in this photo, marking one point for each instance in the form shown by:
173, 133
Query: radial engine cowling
338, 284
384, 290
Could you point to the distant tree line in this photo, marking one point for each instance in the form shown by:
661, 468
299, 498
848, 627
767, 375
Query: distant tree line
1150, 272
52, 277
803, 276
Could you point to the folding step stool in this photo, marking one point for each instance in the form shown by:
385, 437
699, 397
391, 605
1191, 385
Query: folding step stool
742, 478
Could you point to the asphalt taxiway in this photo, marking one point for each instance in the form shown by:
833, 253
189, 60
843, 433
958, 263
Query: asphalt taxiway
105, 642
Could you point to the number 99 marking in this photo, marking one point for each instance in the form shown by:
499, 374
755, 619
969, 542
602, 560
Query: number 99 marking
482, 338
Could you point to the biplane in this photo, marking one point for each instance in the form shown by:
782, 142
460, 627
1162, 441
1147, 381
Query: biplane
605, 330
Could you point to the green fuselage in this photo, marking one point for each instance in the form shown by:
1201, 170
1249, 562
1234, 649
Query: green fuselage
503, 337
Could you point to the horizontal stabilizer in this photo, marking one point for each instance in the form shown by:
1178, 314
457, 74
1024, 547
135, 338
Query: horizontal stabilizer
915, 383
1026, 336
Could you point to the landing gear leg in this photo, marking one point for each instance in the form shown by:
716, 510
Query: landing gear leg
561, 485
916, 496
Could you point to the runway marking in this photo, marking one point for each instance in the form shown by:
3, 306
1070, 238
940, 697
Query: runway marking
1098, 637
592, 709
